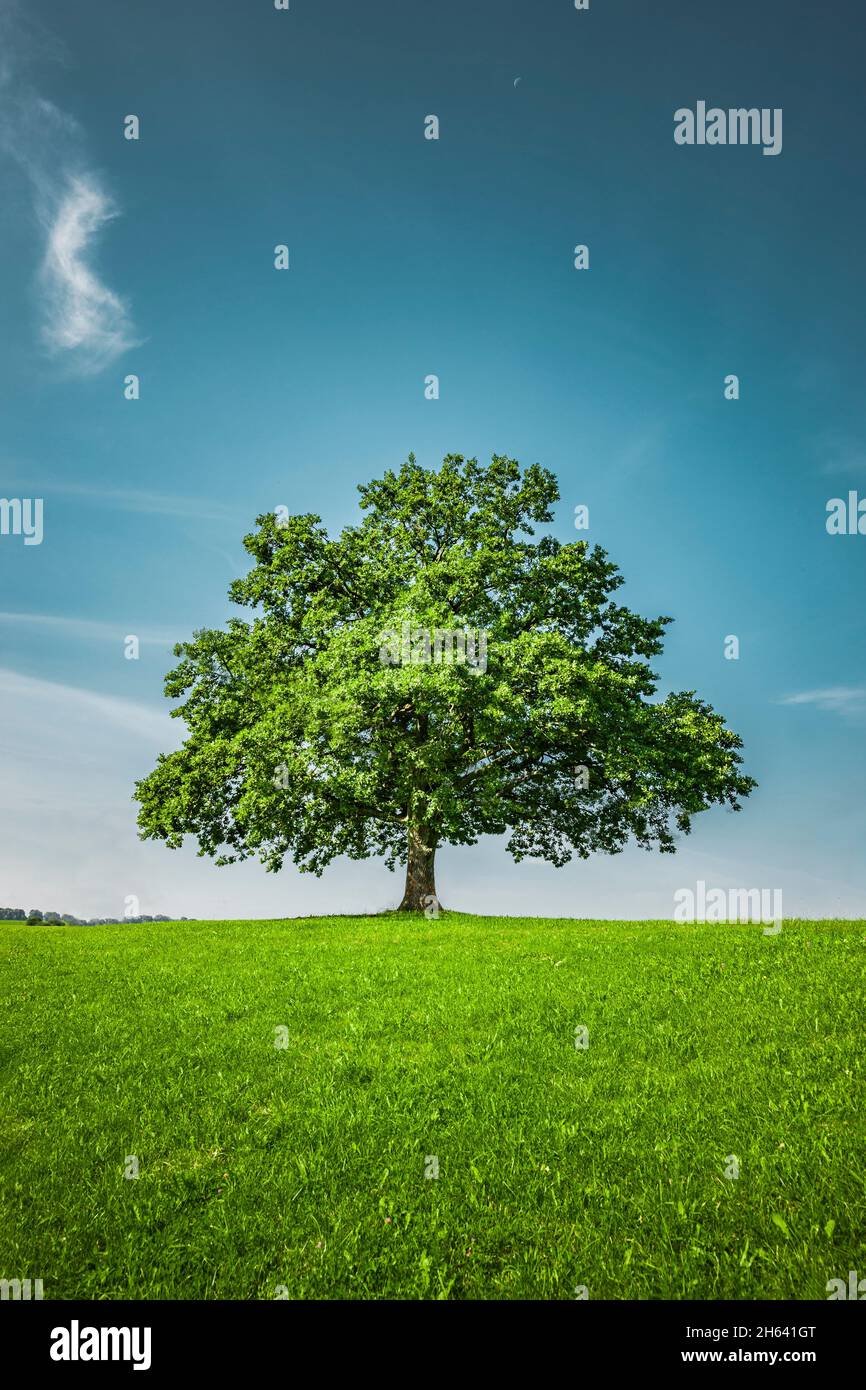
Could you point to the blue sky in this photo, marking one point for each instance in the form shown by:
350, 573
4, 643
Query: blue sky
409, 257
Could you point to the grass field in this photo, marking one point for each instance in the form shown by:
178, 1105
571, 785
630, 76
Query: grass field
560, 1166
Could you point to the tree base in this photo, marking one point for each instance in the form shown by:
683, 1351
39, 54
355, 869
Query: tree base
428, 904
419, 894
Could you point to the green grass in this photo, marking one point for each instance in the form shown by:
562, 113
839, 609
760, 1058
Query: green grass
304, 1166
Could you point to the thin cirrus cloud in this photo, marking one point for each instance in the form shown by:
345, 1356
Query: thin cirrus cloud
150, 503
841, 699
82, 318
52, 704
85, 629
134, 500
85, 324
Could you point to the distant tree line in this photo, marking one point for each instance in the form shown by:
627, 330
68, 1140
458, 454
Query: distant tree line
17, 914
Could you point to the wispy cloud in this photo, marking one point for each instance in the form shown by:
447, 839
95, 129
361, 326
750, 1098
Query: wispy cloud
50, 696
841, 699
84, 323
85, 629
134, 500
81, 316
149, 503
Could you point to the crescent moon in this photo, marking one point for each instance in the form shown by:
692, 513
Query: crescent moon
516, 80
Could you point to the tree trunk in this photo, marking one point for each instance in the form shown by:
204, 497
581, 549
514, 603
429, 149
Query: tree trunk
420, 892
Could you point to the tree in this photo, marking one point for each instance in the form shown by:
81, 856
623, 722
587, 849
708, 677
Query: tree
34, 915
431, 675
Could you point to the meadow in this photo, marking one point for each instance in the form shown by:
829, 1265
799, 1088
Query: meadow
289, 1091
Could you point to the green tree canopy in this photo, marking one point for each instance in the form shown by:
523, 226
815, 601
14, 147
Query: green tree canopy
353, 715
